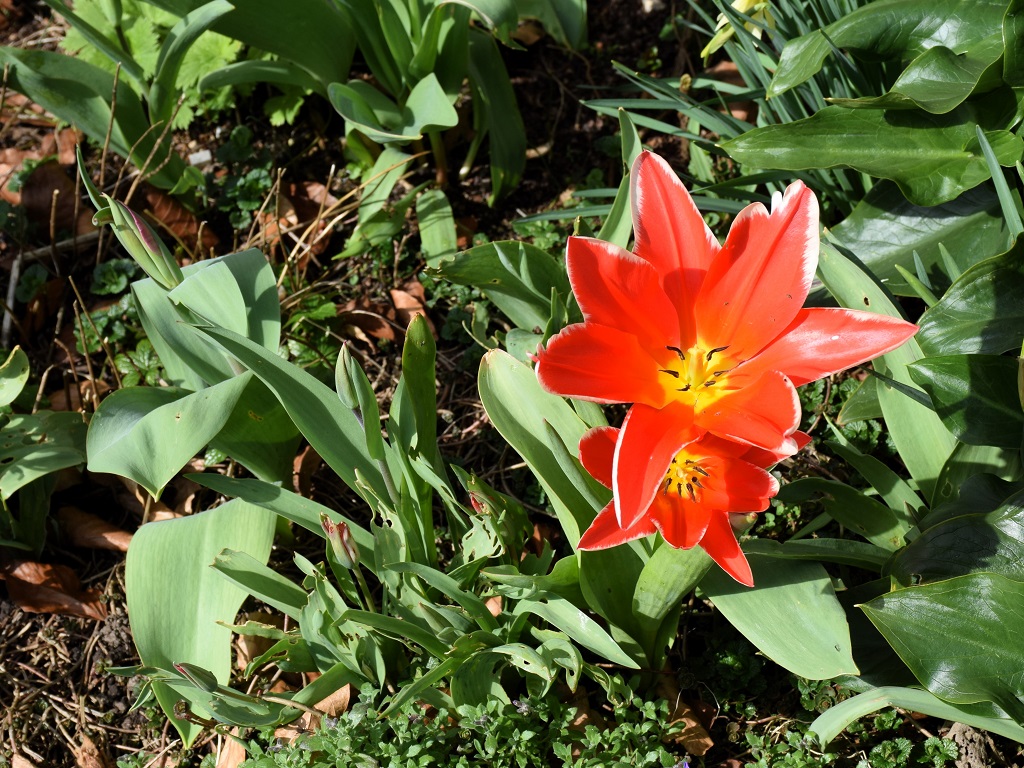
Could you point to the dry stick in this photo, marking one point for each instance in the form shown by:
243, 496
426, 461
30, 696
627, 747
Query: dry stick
9, 319
54, 254
101, 246
3, 100
145, 172
64, 245
103, 343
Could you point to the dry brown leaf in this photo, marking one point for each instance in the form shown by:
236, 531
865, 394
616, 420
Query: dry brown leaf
21, 762
368, 318
231, 752
88, 755
173, 217
338, 702
249, 647
45, 588
694, 737
303, 467
86, 530
494, 606
85, 390
332, 706
409, 302
48, 192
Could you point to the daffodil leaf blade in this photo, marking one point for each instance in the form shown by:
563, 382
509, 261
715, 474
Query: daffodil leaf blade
807, 633
958, 652
967, 461
922, 440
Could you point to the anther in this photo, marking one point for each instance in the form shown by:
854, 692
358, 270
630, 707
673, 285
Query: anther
696, 481
679, 489
716, 349
689, 490
684, 389
702, 471
668, 484
673, 374
709, 382
679, 352
721, 373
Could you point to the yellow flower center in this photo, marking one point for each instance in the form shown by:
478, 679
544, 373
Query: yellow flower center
685, 477
695, 373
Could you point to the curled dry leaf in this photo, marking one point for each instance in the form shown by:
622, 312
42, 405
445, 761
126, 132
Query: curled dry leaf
231, 752
173, 217
89, 755
45, 588
494, 606
408, 303
303, 467
694, 737
249, 647
86, 530
331, 706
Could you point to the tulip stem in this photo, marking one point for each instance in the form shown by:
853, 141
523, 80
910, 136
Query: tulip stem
365, 589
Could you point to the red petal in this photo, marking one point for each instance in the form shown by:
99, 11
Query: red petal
615, 288
597, 453
595, 362
680, 521
720, 542
605, 532
648, 441
733, 485
670, 233
758, 283
764, 412
759, 457
820, 342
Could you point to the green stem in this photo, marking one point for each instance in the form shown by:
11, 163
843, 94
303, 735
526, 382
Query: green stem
365, 589
440, 158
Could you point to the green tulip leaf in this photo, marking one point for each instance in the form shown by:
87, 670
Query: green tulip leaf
792, 615
13, 376
176, 601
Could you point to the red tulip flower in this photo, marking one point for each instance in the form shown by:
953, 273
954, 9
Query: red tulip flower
708, 480
701, 337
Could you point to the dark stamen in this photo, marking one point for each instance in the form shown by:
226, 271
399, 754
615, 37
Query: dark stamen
716, 349
721, 373
679, 489
696, 481
668, 484
709, 382
678, 351
684, 389
674, 374
689, 462
702, 471
689, 490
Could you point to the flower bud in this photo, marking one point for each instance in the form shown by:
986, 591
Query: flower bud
343, 382
201, 678
142, 243
340, 538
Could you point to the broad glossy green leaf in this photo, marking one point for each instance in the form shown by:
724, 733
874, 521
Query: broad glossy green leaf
520, 411
975, 396
843, 551
982, 312
13, 376
562, 614
177, 620
893, 489
968, 460
933, 158
836, 719
1013, 42
148, 434
862, 404
330, 427
922, 440
991, 542
261, 71
890, 29
163, 93
496, 113
940, 79
500, 15
380, 183
959, 637
518, 277
791, 615
885, 230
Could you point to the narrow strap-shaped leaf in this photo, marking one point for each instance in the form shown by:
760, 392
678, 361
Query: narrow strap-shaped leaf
446, 584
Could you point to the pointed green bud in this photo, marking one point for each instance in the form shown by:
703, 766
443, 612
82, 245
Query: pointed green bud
142, 243
199, 677
343, 381
340, 539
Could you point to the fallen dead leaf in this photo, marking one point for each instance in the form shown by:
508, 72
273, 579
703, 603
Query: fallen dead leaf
303, 467
231, 752
494, 606
21, 762
71, 400
694, 738
332, 706
337, 703
46, 588
249, 647
409, 302
48, 194
88, 755
86, 530
173, 217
